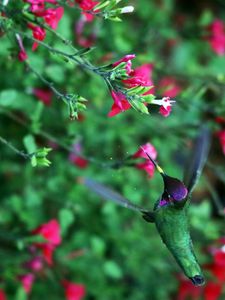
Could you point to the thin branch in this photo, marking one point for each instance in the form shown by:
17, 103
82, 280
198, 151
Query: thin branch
17, 151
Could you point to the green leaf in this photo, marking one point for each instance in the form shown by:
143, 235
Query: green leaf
29, 143
66, 219
112, 269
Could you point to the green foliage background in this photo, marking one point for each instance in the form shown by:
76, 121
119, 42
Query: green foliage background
123, 257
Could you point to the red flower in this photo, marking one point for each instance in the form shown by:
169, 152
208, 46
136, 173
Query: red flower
212, 290
35, 264
165, 105
76, 159
146, 165
221, 136
51, 232
2, 295
86, 6
38, 33
120, 104
217, 37
169, 87
52, 16
22, 55
36, 5
141, 76
27, 281
44, 95
127, 59
73, 291
188, 291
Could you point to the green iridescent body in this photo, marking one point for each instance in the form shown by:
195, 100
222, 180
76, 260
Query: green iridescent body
172, 225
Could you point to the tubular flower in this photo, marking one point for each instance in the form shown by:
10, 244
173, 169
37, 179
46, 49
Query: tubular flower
147, 165
44, 95
73, 291
120, 104
22, 55
165, 105
51, 233
38, 33
169, 87
87, 6
217, 37
27, 281
52, 16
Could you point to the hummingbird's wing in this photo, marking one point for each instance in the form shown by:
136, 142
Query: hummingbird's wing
108, 194
198, 157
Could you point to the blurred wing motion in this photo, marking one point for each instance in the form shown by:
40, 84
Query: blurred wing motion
197, 159
108, 194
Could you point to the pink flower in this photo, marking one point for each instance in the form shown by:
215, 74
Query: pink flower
147, 165
120, 104
165, 105
221, 136
27, 281
141, 76
36, 5
38, 33
149, 148
73, 291
75, 158
127, 59
35, 264
86, 6
44, 95
2, 295
217, 37
50, 231
22, 55
169, 87
52, 16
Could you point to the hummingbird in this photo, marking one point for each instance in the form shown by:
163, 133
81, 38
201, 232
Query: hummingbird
170, 212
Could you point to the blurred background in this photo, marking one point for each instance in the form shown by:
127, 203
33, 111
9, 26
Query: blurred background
108, 250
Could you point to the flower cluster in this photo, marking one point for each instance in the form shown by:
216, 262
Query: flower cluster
147, 165
214, 286
217, 36
50, 232
51, 16
137, 89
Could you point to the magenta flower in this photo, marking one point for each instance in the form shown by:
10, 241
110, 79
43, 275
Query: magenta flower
22, 55
36, 5
86, 6
169, 87
147, 165
141, 76
35, 264
126, 59
51, 232
52, 16
221, 136
75, 156
2, 295
27, 281
120, 104
44, 95
165, 105
73, 291
38, 33
217, 37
